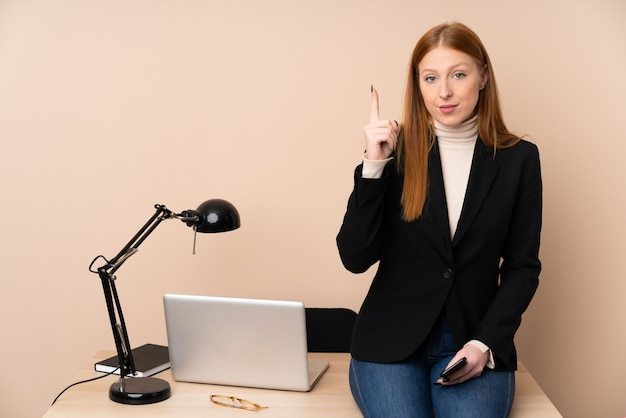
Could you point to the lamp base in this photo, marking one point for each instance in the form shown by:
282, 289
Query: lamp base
140, 390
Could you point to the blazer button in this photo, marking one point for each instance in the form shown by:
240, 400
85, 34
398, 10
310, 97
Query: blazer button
448, 274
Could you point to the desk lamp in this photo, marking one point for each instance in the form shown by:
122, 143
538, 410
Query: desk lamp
215, 215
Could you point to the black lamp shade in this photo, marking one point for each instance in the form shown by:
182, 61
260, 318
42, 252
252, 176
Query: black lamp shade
217, 215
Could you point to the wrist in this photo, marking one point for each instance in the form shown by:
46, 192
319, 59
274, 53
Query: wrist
373, 169
485, 350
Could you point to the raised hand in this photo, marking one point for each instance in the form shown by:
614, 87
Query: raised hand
381, 136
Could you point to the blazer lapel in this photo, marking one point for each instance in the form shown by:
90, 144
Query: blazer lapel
482, 174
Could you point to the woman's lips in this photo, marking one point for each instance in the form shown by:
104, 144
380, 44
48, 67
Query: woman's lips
447, 108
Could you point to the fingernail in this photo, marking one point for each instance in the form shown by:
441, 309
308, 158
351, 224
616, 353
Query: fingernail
397, 124
372, 88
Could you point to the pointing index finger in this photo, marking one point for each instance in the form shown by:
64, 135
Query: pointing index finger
374, 111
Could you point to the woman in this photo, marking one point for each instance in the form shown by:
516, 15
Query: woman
449, 205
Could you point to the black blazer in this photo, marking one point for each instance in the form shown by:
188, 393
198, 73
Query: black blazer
484, 278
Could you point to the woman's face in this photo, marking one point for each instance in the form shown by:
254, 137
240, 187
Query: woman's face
450, 82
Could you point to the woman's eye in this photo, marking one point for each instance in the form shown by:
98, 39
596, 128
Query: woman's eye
429, 79
458, 75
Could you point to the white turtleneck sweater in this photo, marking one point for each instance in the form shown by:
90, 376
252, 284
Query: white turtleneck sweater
456, 150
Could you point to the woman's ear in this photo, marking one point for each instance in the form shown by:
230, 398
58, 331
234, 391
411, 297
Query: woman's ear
484, 77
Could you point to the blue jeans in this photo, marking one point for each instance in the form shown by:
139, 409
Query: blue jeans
406, 389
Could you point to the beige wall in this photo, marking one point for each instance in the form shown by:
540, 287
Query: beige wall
109, 107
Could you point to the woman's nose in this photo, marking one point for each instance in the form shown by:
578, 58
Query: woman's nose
444, 90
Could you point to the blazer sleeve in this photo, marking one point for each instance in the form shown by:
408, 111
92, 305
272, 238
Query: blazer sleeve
359, 239
520, 266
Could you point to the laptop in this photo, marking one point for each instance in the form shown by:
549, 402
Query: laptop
240, 342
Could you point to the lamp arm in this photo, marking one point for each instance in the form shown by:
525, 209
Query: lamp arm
107, 277
130, 248
118, 325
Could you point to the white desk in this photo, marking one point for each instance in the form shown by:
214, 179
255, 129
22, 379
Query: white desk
331, 397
